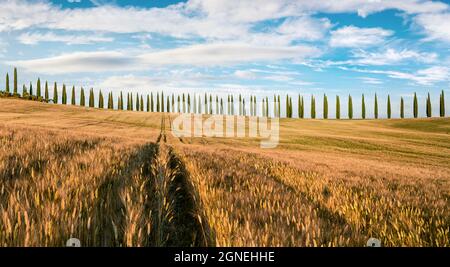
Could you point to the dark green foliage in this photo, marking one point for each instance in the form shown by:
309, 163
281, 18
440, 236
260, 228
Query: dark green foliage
325, 107
64, 95
162, 101
7, 83
82, 98
148, 103
313, 107
389, 111
375, 111
100, 99
428, 107
91, 98
350, 107
15, 81
137, 102
363, 107
415, 106
55, 94
31, 89
73, 96
38, 88
402, 108
46, 91
151, 103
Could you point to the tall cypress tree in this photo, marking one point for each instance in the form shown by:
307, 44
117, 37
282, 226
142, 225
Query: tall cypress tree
178, 104
55, 94
210, 104
137, 102
148, 103
313, 107
112, 100
350, 107
303, 108
15, 81
389, 107
375, 112
7, 83
325, 106
73, 96
31, 89
38, 88
121, 101
82, 97
189, 103
363, 107
442, 104
415, 106
429, 113
64, 95
168, 103
91, 98
100, 99
151, 102
46, 91
158, 107
402, 108
184, 103
24, 90
338, 108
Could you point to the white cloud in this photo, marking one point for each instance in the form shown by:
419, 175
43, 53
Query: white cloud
391, 56
428, 76
196, 55
245, 74
435, 26
351, 36
70, 39
370, 80
304, 28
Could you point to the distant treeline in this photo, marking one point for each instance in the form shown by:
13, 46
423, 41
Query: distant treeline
207, 104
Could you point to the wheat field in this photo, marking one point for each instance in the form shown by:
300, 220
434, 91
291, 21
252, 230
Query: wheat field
119, 178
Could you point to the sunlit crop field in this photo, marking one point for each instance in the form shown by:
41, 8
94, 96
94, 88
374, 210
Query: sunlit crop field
113, 178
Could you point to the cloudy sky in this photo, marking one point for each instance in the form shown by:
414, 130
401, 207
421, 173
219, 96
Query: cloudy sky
232, 46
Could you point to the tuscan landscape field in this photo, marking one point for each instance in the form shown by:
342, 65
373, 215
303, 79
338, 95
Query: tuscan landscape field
119, 178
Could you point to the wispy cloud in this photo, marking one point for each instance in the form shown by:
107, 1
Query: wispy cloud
70, 39
351, 36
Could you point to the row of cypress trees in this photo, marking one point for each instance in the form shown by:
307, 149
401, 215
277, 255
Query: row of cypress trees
193, 104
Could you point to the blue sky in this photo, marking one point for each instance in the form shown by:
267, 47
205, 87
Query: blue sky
394, 47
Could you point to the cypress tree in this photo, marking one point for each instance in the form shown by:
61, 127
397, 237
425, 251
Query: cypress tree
376, 107
168, 104
221, 106
415, 106
55, 94
279, 106
429, 113
100, 100
151, 102
178, 103
217, 105
389, 107
363, 107
31, 88
64, 95
303, 108
121, 101
46, 92
189, 103
173, 103
210, 104
184, 103
73, 96
38, 88
338, 108
287, 106
137, 102
15, 81
240, 105
442, 104
325, 107
350, 107
131, 102
141, 105
128, 101
112, 100
91, 98
7, 83
82, 98
402, 108
267, 106
313, 107
148, 103
158, 107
